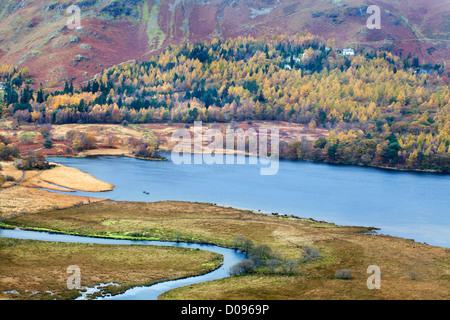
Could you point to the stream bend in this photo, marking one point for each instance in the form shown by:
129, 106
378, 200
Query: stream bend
230, 257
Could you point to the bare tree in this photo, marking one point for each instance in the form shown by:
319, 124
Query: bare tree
273, 264
243, 266
310, 254
261, 253
238, 242
289, 266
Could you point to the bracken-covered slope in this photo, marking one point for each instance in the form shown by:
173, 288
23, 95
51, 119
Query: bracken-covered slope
35, 33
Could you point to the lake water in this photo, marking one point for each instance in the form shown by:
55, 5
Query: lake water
405, 204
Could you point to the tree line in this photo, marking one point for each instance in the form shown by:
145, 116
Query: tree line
364, 101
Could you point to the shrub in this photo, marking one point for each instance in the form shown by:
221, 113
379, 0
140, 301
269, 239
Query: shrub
45, 134
45, 131
7, 148
273, 264
125, 123
48, 144
261, 253
240, 243
81, 141
310, 254
320, 143
136, 234
414, 276
71, 134
11, 150
9, 178
344, 274
4, 140
244, 266
289, 266
143, 149
26, 137
111, 141
33, 161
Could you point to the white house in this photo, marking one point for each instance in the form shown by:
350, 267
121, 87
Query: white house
348, 52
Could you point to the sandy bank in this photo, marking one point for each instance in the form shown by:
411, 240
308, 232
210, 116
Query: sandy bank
27, 196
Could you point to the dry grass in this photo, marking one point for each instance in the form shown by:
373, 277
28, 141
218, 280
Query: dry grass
27, 198
22, 200
69, 178
26, 266
57, 177
122, 151
340, 247
10, 170
395, 257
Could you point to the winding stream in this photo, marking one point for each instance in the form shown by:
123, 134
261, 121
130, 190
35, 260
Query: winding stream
230, 257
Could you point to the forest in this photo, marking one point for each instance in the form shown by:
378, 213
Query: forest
380, 109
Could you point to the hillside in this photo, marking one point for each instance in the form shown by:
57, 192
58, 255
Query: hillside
34, 34
378, 109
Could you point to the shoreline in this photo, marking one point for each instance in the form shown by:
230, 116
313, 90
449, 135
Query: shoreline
291, 133
105, 154
432, 171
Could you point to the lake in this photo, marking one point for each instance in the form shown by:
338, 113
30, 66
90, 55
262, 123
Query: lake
405, 204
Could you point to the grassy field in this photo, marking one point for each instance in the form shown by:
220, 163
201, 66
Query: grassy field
38, 270
409, 270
